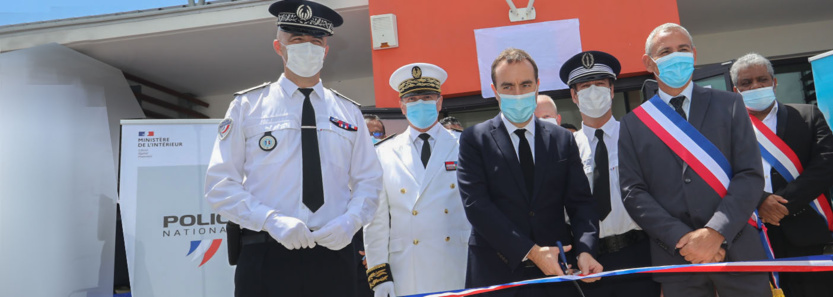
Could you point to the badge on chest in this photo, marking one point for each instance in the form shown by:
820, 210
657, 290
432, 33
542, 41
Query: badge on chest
343, 125
450, 165
268, 142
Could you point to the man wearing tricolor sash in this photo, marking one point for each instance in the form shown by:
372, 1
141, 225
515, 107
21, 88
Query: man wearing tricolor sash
690, 173
797, 150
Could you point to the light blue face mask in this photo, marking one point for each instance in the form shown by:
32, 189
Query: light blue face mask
422, 114
675, 69
375, 140
758, 99
518, 108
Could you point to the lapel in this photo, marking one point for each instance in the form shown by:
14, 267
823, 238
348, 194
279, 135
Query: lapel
699, 106
507, 149
406, 153
781, 121
542, 156
443, 146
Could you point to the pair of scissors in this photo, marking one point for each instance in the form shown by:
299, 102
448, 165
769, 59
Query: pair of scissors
564, 267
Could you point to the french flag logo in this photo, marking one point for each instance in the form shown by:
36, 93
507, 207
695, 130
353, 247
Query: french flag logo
204, 249
145, 133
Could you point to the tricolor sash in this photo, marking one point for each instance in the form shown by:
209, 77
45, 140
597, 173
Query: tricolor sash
700, 154
778, 154
687, 143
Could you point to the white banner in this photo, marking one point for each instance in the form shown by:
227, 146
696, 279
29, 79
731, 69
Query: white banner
549, 43
175, 243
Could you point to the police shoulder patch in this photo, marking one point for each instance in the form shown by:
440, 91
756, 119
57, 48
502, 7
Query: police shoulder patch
252, 89
345, 97
225, 128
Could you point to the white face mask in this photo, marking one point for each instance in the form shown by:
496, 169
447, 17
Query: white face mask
594, 101
305, 59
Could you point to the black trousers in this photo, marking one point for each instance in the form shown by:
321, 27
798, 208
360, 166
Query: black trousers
800, 284
269, 269
635, 285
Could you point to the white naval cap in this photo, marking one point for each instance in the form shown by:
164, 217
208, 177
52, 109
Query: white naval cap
418, 78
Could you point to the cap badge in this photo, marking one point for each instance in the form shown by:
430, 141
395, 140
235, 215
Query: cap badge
587, 60
416, 72
304, 12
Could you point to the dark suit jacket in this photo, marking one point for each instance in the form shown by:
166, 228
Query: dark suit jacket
505, 225
803, 128
668, 199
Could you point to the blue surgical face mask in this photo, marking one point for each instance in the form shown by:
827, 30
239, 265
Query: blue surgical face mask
375, 140
675, 69
518, 108
758, 99
422, 114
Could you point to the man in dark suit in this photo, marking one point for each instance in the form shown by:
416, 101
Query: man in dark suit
685, 217
515, 199
795, 229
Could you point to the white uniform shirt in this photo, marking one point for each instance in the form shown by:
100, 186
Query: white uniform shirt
530, 135
771, 121
618, 221
246, 184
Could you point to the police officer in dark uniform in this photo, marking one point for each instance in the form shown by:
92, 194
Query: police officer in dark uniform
293, 165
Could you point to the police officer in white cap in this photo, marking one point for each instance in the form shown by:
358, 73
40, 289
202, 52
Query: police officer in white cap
294, 166
622, 243
418, 240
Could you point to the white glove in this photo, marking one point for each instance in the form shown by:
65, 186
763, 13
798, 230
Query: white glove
384, 290
338, 233
292, 233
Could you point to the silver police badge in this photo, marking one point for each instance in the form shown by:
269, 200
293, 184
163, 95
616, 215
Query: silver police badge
268, 142
225, 128
304, 12
587, 60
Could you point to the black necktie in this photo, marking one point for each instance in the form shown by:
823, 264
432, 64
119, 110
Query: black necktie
677, 102
313, 190
426, 149
601, 177
527, 164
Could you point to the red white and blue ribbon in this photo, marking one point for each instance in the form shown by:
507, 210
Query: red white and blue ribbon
799, 264
778, 154
688, 143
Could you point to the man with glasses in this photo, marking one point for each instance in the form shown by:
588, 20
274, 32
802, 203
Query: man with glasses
417, 241
375, 127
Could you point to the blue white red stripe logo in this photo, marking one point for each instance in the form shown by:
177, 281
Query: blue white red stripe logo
688, 143
778, 154
204, 249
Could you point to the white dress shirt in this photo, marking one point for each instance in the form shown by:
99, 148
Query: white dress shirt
246, 184
530, 135
771, 121
686, 103
618, 221
414, 135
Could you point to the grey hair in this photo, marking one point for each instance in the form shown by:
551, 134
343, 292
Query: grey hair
371, 117
649, 43
748, 60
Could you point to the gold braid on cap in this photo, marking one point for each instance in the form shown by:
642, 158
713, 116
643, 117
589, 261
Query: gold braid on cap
422, 84
379, 274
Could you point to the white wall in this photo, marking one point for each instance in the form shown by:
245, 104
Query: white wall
767, 41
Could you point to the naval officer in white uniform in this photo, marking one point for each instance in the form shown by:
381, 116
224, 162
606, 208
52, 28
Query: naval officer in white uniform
418, 239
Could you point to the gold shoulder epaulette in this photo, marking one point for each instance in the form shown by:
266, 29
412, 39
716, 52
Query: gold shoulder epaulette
345, 97
252, 89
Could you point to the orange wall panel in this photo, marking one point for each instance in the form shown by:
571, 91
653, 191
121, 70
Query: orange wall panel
441, 32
